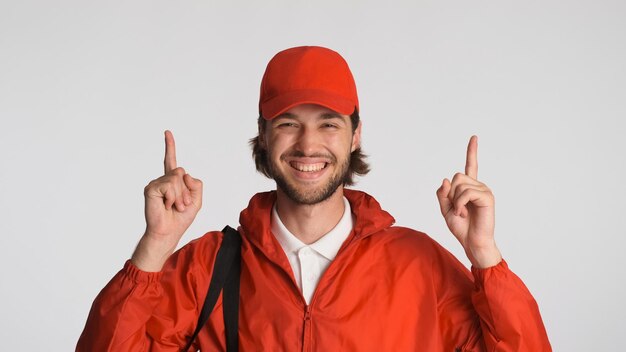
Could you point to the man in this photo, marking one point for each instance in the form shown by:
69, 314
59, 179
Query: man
323, 269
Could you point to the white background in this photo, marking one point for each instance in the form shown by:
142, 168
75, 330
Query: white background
87, 89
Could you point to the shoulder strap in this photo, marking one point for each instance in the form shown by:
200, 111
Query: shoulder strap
230, 297
225, 275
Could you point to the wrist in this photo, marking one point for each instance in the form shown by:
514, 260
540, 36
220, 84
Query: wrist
485, 257
152, 253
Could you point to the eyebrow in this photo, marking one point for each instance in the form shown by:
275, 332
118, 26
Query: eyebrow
286, 115
325, 116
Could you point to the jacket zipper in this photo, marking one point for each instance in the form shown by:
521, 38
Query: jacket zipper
306, 334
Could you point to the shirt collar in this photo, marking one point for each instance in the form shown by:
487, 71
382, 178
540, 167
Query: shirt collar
328, 245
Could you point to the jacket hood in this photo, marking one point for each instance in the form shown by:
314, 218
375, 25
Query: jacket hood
255, 220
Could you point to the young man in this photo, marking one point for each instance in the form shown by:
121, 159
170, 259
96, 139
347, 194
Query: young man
323, 269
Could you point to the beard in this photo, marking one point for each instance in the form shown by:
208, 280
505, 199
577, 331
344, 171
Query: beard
300, 195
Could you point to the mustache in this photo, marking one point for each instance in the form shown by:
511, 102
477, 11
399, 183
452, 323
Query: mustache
299, 154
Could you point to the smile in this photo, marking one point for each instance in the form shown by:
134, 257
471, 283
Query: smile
302, 167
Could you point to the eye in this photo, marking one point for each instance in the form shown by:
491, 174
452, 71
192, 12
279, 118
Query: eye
286, 124
329, 125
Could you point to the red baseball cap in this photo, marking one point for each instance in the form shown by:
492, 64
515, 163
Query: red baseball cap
307, 75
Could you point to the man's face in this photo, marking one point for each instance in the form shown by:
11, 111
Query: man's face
309, 148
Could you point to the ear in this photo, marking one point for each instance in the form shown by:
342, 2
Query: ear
356, 138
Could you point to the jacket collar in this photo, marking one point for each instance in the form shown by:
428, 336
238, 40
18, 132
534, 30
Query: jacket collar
255, 221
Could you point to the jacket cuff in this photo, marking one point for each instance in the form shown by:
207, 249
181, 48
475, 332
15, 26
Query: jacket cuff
139, 276
482, 275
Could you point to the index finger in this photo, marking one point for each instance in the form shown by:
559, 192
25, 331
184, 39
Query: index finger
471, 162
170, 152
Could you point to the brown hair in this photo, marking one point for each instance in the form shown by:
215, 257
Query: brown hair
358, 165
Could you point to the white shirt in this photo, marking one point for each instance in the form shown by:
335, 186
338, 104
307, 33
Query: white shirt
308, 262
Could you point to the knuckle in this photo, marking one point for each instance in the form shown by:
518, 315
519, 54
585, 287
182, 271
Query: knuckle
150, 186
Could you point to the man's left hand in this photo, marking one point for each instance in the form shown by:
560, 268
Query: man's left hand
468, 206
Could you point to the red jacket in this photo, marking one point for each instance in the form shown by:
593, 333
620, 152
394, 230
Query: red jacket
388, 289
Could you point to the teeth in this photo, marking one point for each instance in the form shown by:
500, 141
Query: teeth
308, 167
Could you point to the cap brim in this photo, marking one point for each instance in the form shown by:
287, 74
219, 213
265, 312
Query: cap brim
280, 104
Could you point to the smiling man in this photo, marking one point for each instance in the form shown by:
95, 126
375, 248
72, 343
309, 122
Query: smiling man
322, 267
308, 155
309, 168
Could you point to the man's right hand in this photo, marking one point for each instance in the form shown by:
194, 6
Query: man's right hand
171, 204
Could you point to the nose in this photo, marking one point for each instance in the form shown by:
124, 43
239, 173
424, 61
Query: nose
309, 141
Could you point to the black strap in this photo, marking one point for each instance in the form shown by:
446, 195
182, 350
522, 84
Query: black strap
225, 275
230, 297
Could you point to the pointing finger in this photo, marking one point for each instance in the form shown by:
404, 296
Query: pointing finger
471, 162
170, 152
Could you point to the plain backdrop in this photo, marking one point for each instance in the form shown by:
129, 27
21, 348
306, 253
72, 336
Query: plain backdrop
88, 87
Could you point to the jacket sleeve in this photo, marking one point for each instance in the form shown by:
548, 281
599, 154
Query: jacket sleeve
493, 311
509, 315
142, 311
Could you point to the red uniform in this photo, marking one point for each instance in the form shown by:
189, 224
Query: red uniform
388, 289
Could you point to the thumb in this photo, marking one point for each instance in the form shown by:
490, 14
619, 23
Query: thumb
442, 195
194, 185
